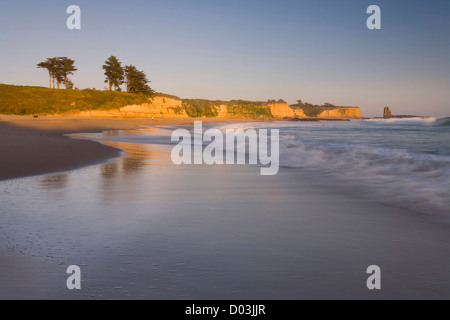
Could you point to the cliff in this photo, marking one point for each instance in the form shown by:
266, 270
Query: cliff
283, 110
341, 112
162, 106
326, 111
240, 109
156, 107
39, 101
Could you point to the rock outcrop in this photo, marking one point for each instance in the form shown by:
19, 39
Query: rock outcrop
341, 113
387, 113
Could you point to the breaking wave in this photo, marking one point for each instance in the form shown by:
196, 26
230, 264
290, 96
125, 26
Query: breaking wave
398, 177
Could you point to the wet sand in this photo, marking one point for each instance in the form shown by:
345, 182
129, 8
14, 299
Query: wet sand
38, 146
23, 277
142, 228
32, 146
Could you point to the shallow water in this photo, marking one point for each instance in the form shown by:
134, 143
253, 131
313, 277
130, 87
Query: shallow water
140, 227
401, 162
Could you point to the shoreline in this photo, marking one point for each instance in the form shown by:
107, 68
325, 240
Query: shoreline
283, 243
36, 146
281, 240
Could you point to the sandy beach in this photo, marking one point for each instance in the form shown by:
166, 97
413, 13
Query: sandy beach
216, 150
142, 228
36, 146
32, 146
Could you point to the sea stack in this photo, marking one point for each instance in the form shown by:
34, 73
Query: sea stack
387, 113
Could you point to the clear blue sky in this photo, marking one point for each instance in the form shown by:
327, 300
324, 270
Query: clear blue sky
318, 51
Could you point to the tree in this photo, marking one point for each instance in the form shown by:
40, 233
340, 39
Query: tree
136, 80
300, 103
69, 84
130, 72
114, 72
47, 65
59, 69
54, 69
51, 65
58, 73
66, 67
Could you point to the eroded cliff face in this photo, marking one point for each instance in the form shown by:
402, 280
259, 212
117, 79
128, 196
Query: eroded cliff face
162, 106
170, 107
341, 113
156, 107
283, 110
222, 111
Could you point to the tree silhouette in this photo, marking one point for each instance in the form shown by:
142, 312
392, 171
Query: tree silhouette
50, 65
136, 80
114, 72
66, 67
46, 65
59, 69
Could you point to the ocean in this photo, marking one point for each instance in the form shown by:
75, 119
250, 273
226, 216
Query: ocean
348, 195
400, 162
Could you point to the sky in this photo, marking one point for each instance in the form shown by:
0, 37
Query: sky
317, 51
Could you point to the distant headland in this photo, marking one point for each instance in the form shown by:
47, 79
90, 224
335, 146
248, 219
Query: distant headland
128, 95
40, 101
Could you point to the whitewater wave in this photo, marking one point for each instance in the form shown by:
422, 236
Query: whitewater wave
417, 181
387, 161
388, 167
417, 121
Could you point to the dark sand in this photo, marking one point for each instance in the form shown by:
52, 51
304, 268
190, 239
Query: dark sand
32, 146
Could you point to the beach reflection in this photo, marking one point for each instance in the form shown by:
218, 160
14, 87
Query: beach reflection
109, 170
134, 132
142, 227
56, 181
136, 158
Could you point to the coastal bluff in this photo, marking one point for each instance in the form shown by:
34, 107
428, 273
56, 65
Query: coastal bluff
283, 110
161, 106
155, 107
342, 112
39, 101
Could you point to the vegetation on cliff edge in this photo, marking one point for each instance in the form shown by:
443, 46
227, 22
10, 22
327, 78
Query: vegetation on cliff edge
236, 108
314, 110
23, 100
